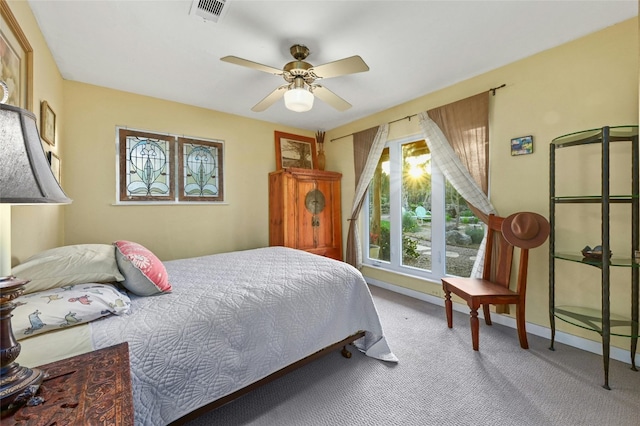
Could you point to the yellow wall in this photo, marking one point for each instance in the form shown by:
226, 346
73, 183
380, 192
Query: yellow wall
587, 83
171, 231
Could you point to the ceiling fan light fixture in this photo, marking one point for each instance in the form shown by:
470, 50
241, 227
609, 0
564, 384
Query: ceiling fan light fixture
298, 99
300, 76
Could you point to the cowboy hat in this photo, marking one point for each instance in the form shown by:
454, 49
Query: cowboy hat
525, 229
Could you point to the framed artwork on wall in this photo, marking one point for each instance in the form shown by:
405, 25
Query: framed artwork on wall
146, 164
200, 170
295, 151
54, 161
167, 168
16, 60
47, 123
522, 145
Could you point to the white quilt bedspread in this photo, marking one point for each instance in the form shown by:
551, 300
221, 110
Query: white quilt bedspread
234, 318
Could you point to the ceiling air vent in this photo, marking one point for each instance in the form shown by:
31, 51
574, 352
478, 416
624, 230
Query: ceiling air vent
209, 10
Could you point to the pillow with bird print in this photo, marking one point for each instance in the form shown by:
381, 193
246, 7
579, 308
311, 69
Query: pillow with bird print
66, 306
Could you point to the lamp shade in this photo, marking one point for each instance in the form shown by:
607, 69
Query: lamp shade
298, 99
25, 173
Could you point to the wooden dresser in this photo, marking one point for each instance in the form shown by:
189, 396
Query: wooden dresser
304, 211
88, 389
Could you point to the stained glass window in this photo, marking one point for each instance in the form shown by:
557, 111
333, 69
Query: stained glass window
200, 172
146, 165
147, 168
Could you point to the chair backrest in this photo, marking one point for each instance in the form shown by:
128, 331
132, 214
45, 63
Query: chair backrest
421, 211
499, 258
499, 254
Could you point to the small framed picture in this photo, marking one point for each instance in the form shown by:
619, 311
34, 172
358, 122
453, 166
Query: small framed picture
47, 123
522, 145
295, 151
54, 161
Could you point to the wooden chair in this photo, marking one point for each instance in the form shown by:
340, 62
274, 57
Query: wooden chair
524, 230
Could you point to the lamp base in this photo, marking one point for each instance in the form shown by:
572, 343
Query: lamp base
18, 387
17, 384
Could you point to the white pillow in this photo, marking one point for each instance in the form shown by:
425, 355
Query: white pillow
66, 306
75, 264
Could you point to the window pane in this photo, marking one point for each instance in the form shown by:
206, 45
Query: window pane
418, 223
146, 166
200, 170
464, 232
379, 235
416, 205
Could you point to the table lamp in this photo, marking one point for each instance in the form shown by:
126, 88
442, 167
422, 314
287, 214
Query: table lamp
25, 178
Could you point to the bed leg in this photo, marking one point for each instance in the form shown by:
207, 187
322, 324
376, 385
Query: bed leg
345, 353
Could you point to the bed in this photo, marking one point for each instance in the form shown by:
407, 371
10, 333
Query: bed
225, 323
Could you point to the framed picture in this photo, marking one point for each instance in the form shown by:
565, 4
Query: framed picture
146, 164
295, 151
47, 123
16, 60
54, 161
200, 170
522, 145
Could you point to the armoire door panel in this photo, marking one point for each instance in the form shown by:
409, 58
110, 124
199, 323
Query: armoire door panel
304, 211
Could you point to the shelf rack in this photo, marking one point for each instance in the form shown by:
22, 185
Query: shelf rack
600, 321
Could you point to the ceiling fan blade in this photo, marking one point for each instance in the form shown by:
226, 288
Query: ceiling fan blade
270, 99
344, 66
329, 97
251, 64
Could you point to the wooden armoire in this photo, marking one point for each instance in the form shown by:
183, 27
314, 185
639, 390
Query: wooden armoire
304, 211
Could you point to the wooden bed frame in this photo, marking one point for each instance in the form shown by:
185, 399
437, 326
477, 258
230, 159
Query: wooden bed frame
273, 376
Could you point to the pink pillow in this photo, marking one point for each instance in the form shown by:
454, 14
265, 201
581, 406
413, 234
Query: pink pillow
144, 274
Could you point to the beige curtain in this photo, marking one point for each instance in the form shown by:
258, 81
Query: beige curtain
367, 149
463, 159
465, 127
465, 124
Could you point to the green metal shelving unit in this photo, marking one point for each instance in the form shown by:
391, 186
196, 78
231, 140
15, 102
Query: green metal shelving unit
600, 321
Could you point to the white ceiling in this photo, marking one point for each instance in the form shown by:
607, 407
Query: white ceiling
156, 48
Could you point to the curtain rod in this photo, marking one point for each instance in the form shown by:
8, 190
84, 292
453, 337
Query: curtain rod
408, 117
493, 90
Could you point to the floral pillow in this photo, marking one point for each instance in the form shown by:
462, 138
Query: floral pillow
66, 306
144, 274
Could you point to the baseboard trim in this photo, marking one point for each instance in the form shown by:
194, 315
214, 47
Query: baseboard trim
535, 329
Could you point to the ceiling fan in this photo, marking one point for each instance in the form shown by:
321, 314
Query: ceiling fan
301, 76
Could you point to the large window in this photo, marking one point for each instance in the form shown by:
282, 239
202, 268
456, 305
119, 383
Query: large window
417, 222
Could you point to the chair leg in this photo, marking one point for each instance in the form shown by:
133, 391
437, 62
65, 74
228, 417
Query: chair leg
521, 325
475, 328
487, 313
448, 308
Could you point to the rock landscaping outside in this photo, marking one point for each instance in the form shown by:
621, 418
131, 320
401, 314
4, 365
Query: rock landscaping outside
461, 249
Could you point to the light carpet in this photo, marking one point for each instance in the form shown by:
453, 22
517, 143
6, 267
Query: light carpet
440, 380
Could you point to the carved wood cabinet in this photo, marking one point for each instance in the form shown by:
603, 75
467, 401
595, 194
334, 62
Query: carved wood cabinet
304, 211
89, 389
